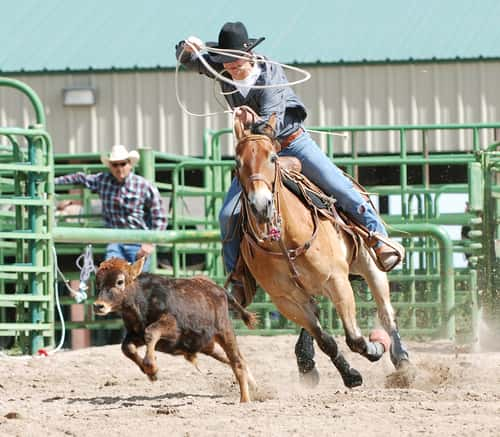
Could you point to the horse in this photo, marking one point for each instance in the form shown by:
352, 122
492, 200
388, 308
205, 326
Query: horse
295, 254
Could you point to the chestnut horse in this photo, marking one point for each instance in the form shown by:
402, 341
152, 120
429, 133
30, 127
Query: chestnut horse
294, 255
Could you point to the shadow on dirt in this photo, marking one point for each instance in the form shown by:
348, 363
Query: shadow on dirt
109, 400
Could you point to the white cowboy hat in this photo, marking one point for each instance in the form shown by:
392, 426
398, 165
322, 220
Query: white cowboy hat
120, 153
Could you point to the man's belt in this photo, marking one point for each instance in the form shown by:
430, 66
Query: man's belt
285, 142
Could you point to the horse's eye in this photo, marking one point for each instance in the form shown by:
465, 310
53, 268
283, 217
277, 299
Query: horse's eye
238, 162
274, 158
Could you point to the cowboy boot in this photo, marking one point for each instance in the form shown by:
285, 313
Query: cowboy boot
243, 285
389, 255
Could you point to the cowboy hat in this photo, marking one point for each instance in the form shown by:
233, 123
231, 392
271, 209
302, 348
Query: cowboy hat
232, 36
120, 153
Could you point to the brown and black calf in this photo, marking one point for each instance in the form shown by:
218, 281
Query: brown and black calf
175, 316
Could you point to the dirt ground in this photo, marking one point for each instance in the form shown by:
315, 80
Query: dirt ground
98, 392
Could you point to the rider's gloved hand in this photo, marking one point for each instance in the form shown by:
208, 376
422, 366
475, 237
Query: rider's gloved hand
193, 41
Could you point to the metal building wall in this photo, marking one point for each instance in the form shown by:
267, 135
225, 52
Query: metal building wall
140, 108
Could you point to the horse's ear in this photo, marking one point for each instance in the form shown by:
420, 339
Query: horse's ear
272, 121
136, 268
239, 130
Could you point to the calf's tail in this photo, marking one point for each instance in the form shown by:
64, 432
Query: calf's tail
250, 319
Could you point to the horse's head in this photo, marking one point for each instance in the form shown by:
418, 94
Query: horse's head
256, 165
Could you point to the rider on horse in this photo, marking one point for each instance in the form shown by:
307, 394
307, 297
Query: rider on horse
294, 140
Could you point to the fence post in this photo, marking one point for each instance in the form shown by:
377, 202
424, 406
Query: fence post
147, 169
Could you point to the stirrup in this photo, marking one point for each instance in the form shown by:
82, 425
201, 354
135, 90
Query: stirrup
387, 255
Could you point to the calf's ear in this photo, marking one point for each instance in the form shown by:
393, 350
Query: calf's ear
136, 268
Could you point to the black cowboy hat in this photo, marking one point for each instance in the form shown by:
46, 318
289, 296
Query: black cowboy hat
232, 36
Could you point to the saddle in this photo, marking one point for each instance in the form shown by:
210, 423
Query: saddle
244, 285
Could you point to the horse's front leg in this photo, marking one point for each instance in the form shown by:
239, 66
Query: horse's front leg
305, 316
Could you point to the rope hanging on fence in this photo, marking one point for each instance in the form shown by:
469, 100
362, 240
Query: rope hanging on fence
86, 269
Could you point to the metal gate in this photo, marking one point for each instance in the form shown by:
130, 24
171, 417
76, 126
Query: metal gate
26, 199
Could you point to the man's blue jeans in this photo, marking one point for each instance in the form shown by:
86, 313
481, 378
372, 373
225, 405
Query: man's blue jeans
320, 170
127, 252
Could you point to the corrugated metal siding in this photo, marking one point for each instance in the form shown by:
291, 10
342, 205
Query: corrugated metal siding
140, 108
127, 34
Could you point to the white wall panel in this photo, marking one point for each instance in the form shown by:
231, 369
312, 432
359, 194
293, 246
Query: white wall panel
140, 108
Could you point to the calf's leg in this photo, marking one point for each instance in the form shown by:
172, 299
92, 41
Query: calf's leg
216, 354
129, 348
227, 341
164, 328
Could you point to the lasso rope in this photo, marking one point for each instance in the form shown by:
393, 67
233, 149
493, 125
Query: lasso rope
238, 54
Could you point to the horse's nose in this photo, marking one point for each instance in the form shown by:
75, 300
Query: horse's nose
263, 211
261, 202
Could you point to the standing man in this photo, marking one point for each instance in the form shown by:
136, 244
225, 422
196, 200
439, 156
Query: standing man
128, 201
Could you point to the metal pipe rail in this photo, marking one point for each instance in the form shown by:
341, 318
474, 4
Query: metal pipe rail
63, 234
446, 273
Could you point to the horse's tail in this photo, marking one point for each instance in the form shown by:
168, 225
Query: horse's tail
250, 319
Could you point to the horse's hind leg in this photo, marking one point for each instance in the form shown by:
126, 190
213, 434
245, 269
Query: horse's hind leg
304, 352
305, 316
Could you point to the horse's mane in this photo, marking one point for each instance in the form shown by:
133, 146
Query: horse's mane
262, 127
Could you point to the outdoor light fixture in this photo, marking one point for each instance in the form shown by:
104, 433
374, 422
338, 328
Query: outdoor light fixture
79, 96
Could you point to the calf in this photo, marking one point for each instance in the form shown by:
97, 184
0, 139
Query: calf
175, 316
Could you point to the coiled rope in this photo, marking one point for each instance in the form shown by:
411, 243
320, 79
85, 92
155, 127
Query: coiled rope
238, 54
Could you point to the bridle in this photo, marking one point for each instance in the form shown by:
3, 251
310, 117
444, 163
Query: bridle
251, 138
253, 235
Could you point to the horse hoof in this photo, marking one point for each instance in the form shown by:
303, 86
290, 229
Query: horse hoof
309, 379
352, 379
380, 336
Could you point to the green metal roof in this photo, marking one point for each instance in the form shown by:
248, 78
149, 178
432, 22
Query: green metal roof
58, 35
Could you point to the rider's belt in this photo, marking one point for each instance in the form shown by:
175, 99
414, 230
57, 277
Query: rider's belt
285, 142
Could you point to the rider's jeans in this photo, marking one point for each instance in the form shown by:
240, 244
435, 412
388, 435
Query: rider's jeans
320, 170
